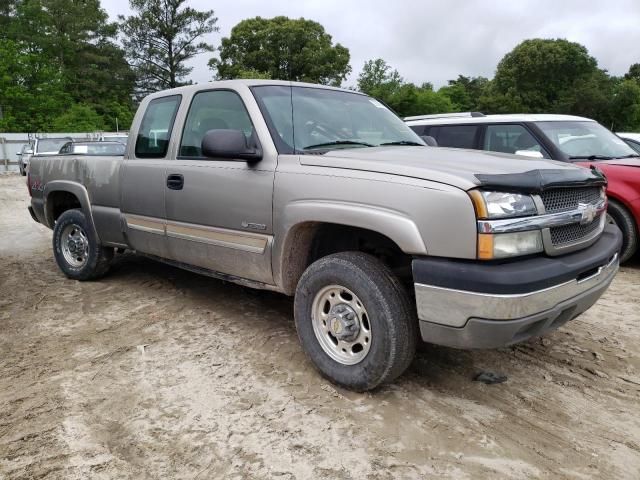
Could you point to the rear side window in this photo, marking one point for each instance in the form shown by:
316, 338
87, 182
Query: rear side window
419, 129
456, 136
155, 129
213, 110
510, 139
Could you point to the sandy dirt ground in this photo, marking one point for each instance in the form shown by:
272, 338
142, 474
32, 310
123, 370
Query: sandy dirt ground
153, 372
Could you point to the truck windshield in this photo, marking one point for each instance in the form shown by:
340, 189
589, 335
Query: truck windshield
308, 120
585, 140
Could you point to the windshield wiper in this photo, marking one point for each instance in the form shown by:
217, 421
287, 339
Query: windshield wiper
403, 142
338, 142
590, 157
633, 155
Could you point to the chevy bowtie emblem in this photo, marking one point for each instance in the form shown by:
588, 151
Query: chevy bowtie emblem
588, 213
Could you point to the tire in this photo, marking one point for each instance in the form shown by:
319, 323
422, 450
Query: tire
76, 249
22, 169
625, 222
386, 320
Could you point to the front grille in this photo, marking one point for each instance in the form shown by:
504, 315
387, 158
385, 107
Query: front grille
565, 199
576, 232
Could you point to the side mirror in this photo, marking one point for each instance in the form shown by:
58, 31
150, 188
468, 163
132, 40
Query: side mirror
429, 140
529, 153
230, 144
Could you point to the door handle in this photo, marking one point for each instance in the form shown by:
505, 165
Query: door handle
175, 181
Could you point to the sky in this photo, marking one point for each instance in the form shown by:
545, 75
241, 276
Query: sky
435, 41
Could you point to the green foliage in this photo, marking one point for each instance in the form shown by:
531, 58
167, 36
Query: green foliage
379, 80
160, 38
465, 92
625, 106
253, 74
633, 73
539, 74
558, 76
61, 67
31, 90
59, 53
282, 48
78, 118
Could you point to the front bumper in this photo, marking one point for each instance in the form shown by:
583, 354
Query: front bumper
466, 304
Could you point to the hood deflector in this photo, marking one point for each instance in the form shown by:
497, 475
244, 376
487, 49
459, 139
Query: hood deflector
536, 181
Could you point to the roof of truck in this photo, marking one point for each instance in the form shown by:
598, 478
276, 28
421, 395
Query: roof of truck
188, 89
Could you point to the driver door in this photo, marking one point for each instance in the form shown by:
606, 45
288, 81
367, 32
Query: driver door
219, 210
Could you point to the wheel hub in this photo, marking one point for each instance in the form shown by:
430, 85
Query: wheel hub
75, 245
343, 322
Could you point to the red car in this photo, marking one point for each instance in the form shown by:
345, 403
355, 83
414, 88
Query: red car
624, 198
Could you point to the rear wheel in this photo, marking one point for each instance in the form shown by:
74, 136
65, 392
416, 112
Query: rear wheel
76, 249
355, 320
620, 216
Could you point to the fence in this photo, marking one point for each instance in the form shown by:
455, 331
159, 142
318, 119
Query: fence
11, 144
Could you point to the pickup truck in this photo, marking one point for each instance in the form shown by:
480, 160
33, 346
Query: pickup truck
326, 195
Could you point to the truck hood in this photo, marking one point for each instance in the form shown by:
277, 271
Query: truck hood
460, 168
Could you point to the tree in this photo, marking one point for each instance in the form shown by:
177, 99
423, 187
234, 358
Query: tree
539, 75
78, 118
381, 81
377, 74
64, 49
465, 92
78, 37
161, 38
633, 73
31, 89
7, 12
625, 106
284, 49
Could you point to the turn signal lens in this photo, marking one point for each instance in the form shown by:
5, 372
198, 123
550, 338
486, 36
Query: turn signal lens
504, 245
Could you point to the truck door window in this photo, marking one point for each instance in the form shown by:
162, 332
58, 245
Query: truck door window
155, 129
213, 110
510, 139
456, 136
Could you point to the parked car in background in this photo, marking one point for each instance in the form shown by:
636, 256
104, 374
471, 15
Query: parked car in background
105, 148
44, 147
632, 139
121, 137
381, 239
559, 137
24, 155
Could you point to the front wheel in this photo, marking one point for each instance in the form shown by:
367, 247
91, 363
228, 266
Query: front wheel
620, 216
355, 320
76, 249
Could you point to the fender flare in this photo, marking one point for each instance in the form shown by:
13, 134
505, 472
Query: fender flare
78, 190
392, 224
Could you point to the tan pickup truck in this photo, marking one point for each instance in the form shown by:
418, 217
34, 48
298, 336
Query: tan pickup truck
325, 194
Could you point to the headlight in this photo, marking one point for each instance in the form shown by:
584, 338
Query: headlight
502, 245
492, 205
501, 205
